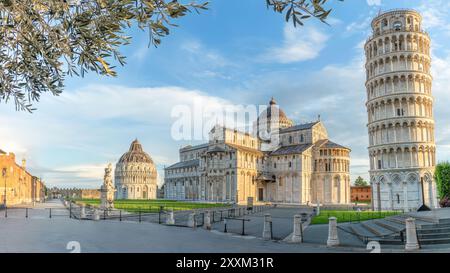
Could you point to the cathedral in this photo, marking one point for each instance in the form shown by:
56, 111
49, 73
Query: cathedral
279, 162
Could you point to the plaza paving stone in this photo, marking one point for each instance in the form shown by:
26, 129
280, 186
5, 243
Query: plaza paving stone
282, 222
39, 233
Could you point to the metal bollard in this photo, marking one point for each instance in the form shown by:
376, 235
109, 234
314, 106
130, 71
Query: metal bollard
271, 230
50, 213
120, 215
225, 228
26, 212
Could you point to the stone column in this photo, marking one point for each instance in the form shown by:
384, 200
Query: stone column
83, 212
333, 239
191, 220
405, 197
96, 215
411, 235
207, 224
171, 219
267, 231
297, 236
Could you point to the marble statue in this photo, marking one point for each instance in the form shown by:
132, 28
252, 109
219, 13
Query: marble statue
107, 190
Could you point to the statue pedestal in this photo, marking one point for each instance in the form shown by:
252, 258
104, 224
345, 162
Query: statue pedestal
106, 198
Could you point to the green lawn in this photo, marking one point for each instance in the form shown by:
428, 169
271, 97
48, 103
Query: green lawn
350, 216
151, 205
363, 202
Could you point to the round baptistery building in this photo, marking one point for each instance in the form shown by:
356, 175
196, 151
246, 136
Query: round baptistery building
400, 112
135, 174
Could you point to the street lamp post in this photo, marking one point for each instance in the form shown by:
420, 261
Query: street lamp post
4, 172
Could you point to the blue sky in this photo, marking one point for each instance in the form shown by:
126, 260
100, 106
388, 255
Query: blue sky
238, 52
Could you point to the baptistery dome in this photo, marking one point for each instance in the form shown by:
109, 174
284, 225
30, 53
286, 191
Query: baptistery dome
135, 174
136, 154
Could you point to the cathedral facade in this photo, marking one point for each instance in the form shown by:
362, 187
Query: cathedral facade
280, 163
400, 113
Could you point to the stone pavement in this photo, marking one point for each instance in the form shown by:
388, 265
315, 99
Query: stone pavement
53, 235
282, 222
39, 233
55, 208
443, 213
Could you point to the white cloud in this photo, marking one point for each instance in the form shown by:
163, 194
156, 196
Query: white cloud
71, 138
201, 52
441, 83
362, 24
300, 44
435, 14
374, 2
333, 21
93, 172
144, 104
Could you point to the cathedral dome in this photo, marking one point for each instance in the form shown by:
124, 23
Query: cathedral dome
266, 115
135, 154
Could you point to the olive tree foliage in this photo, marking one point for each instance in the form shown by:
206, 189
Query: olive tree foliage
299, 10
44, 41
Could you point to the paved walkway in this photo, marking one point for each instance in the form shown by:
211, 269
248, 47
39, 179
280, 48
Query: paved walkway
43, 234
53, 235
282, 222
443, 213
55, 208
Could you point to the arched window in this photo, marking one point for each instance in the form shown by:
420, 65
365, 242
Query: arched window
398, 25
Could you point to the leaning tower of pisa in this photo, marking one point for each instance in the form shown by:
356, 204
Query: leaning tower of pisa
400, 113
